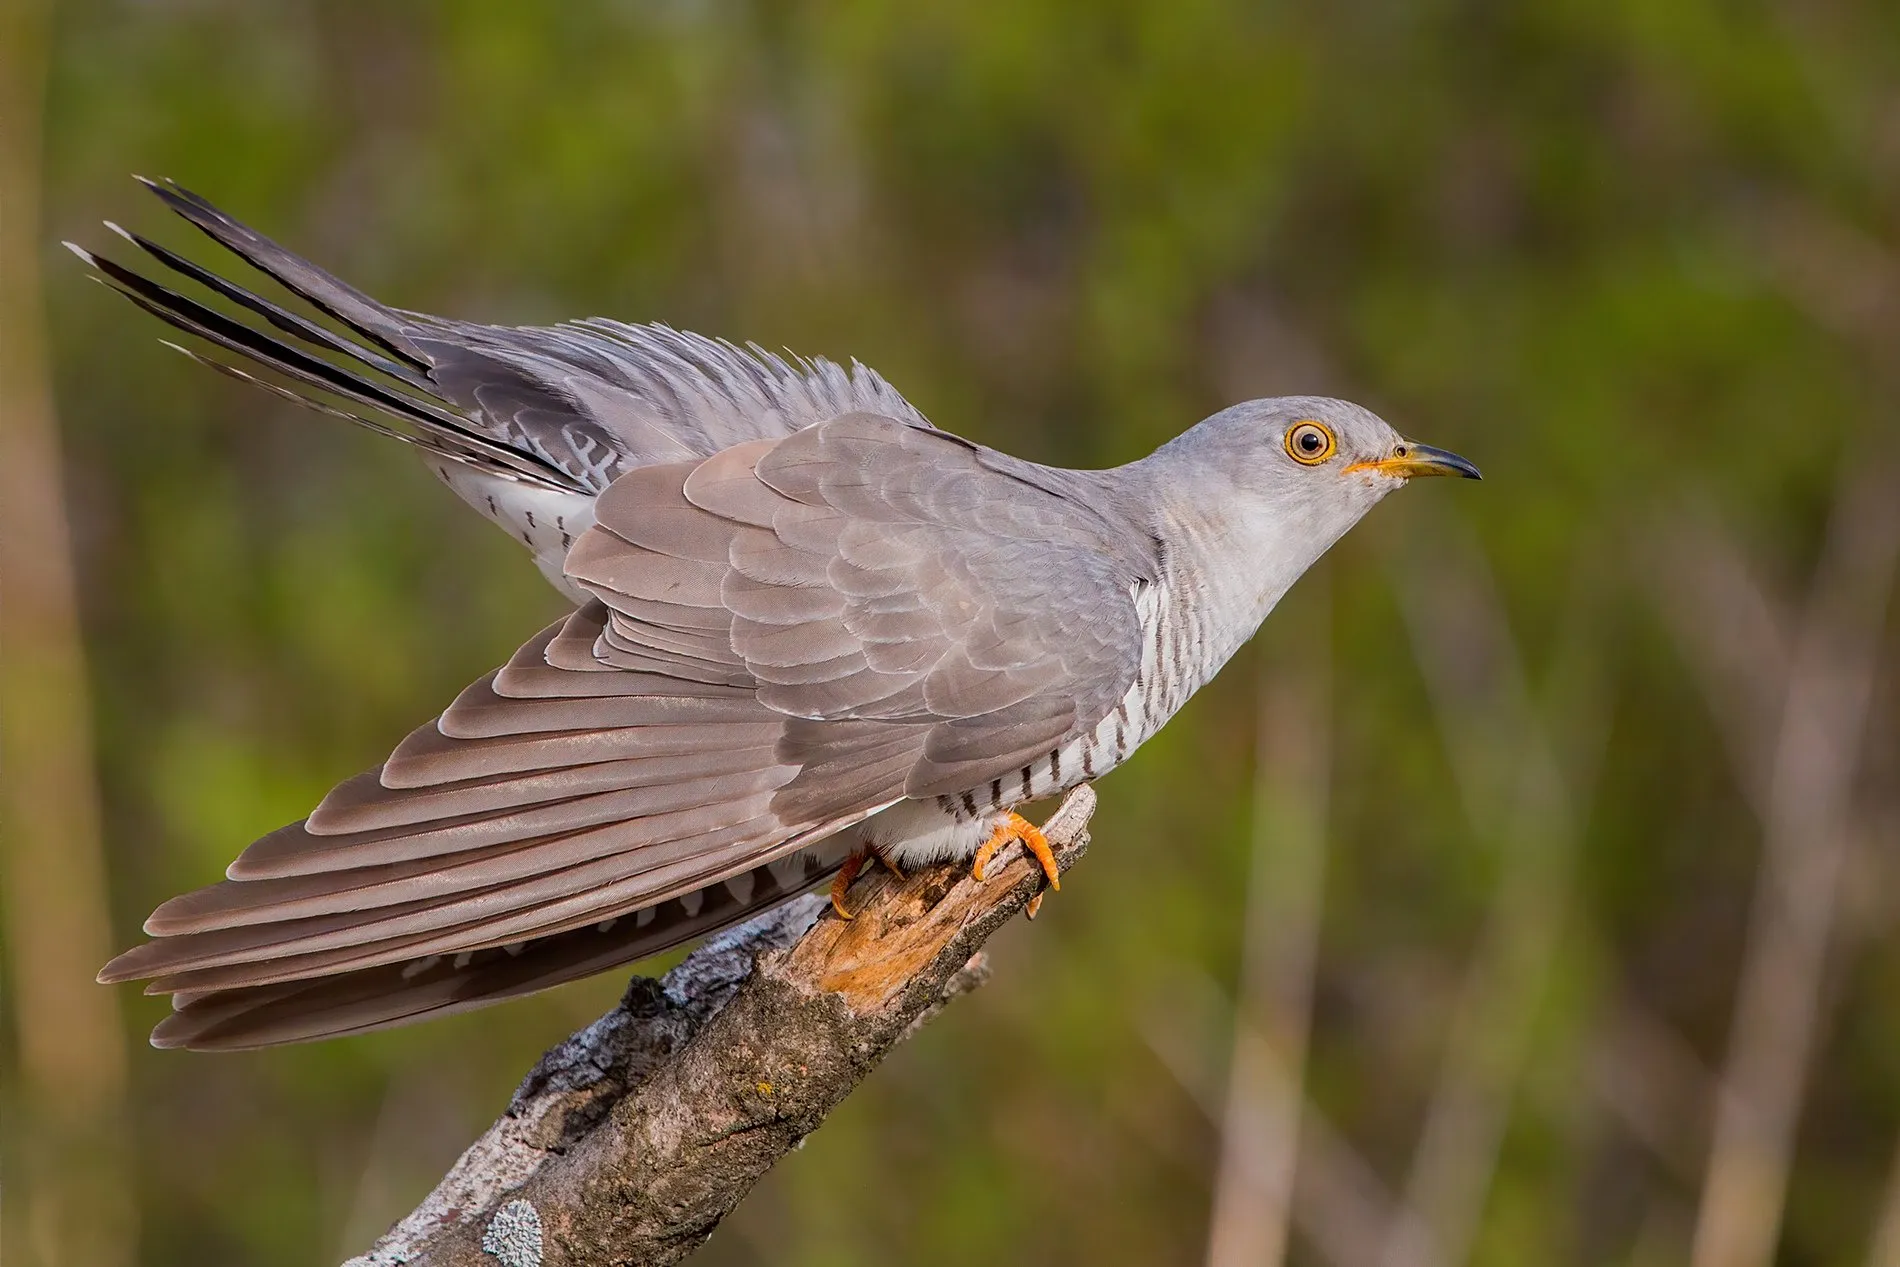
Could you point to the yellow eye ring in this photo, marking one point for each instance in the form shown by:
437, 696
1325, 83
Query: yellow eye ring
1310, 443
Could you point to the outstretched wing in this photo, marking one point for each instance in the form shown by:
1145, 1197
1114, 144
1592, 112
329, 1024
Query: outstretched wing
792, 635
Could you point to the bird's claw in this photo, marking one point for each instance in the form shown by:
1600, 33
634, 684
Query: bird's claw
841, 883
1016, 827
850, 871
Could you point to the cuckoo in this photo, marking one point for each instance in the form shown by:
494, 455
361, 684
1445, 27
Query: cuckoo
809, 628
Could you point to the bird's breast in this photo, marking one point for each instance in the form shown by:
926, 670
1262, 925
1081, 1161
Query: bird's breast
1177, 657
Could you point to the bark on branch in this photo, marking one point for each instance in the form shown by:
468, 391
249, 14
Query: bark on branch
630, 1141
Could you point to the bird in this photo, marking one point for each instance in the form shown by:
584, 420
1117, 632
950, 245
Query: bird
809, 629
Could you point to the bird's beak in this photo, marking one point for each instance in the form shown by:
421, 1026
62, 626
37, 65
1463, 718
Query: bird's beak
1412, 461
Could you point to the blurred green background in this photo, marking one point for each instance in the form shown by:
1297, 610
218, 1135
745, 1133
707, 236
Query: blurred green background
1555, 802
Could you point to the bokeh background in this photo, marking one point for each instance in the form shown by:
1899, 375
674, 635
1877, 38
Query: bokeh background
1525, 893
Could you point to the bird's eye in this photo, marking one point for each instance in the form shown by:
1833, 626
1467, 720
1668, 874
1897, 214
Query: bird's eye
1309, 443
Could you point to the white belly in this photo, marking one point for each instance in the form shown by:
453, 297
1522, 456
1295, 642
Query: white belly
919, 833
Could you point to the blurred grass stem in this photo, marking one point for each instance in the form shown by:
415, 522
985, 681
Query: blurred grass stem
1518, 781
1816, 751
65, 1126
1260, 1124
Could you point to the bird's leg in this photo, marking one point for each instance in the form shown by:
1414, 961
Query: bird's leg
849, 872
1016, 827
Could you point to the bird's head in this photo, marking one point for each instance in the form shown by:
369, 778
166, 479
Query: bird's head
1288, 476
1313, 450
1302, 444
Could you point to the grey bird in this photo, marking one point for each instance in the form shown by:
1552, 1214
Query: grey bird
810, 627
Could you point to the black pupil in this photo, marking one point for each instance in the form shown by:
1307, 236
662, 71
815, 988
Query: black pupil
1309, 441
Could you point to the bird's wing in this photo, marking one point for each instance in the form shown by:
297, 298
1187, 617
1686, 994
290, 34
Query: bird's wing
793, 634
569, 407
542, 799
866, 576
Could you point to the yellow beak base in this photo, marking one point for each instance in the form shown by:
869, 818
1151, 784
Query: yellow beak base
1415, 461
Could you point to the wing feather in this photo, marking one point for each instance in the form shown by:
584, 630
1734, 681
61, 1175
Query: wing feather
366, 999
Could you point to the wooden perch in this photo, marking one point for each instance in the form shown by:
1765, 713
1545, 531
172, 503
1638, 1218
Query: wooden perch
630, 1141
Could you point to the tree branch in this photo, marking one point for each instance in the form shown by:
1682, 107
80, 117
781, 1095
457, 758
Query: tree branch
631, 1140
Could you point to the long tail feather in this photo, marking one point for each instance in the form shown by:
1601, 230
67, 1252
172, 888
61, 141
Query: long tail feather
285, 320
327, 293
234, 336
436, 446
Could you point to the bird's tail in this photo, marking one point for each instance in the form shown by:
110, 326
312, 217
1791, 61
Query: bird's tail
375, 361
560, 409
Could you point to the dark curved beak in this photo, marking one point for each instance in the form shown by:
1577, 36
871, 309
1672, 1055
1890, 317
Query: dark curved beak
1415, 461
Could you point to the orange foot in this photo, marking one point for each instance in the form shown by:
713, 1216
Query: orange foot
849, 872
1016, 827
